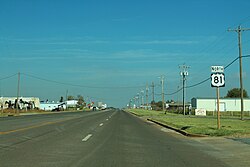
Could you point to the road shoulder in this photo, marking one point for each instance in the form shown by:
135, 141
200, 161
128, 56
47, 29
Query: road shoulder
230, 151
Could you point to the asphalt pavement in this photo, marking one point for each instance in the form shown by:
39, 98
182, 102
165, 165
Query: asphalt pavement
111, 138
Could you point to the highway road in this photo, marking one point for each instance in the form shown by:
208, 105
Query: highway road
111, 138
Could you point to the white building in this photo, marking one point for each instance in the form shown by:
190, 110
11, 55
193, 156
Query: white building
49, 106
226, 104
71, 103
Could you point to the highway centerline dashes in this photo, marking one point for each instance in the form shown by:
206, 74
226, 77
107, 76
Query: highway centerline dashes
90, 135
87, 137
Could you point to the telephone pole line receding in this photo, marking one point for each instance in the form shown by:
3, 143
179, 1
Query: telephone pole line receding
184, 73
142, 99
153, 92
162, 93
18, 94
239, 30
147, 89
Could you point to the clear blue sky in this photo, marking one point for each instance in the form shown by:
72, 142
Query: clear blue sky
112, 47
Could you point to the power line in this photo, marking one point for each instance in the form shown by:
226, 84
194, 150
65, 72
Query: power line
231, 63
82, 86
246, 56
169, 94
4, 78
199, 83
205, 80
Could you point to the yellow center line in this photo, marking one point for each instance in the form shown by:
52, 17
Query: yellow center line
34, 126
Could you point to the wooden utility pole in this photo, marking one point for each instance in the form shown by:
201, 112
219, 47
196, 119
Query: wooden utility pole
184, 73
162, 93
142, 99
147, 89
153, 92
18, 93
239, 30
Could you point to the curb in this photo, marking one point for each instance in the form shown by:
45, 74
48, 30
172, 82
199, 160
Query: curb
133, 113
169, 127
177, 130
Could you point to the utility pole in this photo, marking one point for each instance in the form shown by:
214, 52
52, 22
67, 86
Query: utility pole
130, 103
134, 106
66, 99
184, 73
138, 99
239, 30
153, 92
162, 93
147, 89
18, 93
142, 98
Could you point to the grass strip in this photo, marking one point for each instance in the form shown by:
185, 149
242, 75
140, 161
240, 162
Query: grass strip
232, 127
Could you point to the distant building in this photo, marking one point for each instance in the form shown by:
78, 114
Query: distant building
102, 105
226, 104
23, 102
177, 106
71, 103
52, 106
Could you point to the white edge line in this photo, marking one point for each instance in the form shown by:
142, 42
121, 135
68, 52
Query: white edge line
87, 137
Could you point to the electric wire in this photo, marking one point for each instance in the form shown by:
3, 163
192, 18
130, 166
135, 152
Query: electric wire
207, 79
10, 76
82, 86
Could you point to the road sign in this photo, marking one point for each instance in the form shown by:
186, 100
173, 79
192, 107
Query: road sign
217, 69
217, 80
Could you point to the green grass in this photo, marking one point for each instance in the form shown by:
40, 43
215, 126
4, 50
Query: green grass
199, 125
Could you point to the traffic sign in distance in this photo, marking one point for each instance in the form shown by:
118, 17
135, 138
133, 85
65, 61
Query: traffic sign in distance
217, 80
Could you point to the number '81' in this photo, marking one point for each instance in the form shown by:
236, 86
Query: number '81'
218, 80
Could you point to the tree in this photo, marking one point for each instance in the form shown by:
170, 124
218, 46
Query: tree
61, 99
235, 92
80, 100
156, 105
71, 97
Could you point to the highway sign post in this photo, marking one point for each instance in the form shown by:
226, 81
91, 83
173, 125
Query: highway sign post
217, 80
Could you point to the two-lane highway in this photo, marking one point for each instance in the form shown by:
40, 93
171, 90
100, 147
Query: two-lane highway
104, 138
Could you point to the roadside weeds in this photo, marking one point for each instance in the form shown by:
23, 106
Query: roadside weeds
194, 126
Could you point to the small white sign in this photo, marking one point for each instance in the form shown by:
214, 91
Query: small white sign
217, 69
217, 80
200, 112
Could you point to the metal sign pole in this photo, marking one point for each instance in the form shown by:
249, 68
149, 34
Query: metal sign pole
218, 107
